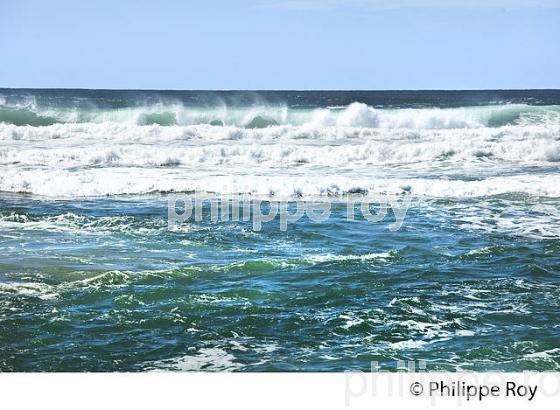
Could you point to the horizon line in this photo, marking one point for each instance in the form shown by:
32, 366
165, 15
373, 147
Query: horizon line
276, 89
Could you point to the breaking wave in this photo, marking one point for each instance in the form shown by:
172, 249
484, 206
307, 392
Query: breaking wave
83, 149
117, 159
262, 116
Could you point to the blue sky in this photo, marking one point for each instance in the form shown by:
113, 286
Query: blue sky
281, 44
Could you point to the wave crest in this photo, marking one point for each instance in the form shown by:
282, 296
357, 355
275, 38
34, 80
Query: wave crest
262, 116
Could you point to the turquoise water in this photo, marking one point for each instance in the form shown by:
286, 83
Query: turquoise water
103, 285
92, 278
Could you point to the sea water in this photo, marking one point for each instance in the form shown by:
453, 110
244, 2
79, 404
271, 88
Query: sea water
92, 277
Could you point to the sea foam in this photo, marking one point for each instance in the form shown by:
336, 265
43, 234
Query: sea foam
474, 151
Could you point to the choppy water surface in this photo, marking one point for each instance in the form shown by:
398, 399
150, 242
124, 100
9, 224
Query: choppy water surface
91, 278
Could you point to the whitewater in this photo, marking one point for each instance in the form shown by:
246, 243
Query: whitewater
267, 149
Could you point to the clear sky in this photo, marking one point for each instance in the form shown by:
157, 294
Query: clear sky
280, 44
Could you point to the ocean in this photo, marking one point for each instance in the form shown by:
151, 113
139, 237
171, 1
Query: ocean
94, 278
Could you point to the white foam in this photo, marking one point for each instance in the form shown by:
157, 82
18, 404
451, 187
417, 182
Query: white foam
29, 289
132, 181
205, 359
338, 258
127, 145
76, 160
408, 344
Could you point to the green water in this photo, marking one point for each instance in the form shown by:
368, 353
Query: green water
103, 285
